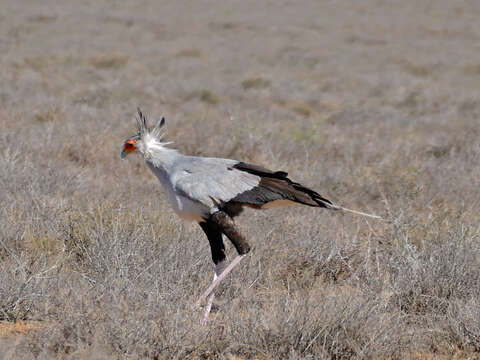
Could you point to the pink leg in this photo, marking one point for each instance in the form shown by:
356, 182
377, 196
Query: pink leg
209, 304
217, 281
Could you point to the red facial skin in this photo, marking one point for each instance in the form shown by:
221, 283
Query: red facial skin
130, 145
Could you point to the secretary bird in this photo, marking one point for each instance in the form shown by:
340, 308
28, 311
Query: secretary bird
212, 191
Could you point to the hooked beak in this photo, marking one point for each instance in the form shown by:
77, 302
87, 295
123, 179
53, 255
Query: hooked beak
123, 154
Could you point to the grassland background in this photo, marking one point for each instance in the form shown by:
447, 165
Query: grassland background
373, 103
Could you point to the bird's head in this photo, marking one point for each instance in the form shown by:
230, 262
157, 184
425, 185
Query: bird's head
144, 137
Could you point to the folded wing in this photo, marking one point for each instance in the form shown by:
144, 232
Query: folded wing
219, 182
275, 186
211, 181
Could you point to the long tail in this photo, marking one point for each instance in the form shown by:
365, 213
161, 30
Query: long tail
275, 185
341, 208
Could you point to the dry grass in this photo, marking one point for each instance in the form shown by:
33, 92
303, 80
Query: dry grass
375, 104
11, 329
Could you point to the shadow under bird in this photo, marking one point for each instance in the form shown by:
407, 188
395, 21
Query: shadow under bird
212, 191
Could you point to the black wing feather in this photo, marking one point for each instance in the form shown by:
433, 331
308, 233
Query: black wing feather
275, 185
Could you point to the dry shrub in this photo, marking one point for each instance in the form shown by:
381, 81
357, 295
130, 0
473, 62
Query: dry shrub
93, 258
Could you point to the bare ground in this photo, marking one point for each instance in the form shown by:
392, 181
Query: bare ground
375, 104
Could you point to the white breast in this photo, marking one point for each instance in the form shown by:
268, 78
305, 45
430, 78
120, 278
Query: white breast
186, 208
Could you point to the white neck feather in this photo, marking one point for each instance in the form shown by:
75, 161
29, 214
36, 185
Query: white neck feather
156, 153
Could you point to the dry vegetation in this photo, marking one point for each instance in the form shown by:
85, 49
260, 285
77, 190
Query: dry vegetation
374, 103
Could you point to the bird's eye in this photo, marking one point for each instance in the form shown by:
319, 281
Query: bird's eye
130, 145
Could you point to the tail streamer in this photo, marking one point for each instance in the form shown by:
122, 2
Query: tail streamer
356, 212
